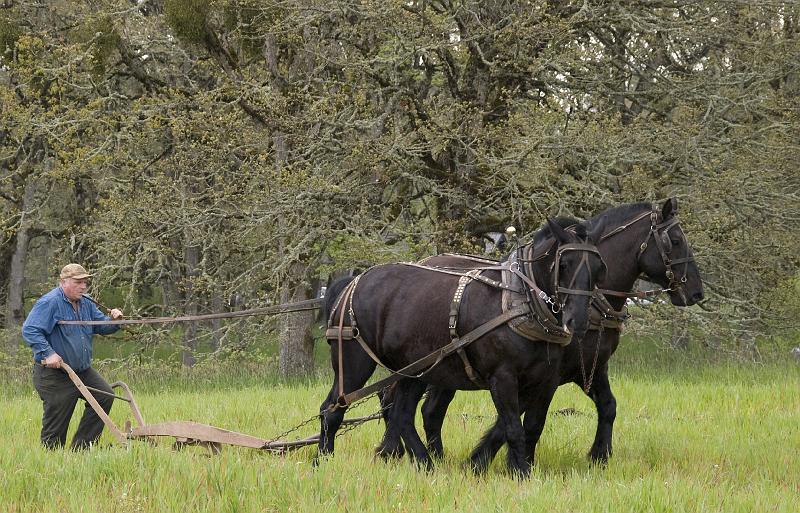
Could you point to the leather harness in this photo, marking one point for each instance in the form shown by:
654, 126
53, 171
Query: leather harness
525, 310
528, 311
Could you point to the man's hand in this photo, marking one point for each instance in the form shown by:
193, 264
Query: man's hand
53, 361
115, 314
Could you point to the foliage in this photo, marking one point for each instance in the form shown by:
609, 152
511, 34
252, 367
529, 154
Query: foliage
223, 153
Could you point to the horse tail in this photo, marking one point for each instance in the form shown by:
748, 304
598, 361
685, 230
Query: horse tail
332, 295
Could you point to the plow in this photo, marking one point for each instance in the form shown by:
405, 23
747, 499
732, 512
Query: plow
186, 433
189, 433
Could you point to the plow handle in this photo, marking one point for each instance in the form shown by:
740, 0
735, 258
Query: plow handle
83, 389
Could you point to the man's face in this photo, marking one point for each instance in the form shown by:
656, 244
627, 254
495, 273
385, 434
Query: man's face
73, 288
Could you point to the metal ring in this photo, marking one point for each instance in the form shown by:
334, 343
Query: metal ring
514, 267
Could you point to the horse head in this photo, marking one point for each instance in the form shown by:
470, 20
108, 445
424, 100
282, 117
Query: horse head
575, 267
667, 259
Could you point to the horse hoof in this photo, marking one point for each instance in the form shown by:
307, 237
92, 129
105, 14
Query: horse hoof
521, 474
390, 451
436, 451
599, 458
477, 466
426, 465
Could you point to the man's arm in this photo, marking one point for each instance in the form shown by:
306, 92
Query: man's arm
97, 315
40, 323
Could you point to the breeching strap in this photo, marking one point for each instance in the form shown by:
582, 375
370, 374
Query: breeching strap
433, 359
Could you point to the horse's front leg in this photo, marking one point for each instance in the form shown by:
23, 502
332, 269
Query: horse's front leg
504, 388
536, 406
357, 368
487, 448
600, 393
330, 418
433, 411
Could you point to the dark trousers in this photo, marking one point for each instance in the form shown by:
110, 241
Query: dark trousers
59, 396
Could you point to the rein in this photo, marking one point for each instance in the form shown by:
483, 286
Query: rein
300, 306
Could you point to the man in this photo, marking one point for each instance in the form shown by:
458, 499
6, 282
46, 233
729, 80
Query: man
53, 343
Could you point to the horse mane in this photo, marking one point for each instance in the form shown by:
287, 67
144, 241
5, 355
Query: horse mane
544, 231
615, 216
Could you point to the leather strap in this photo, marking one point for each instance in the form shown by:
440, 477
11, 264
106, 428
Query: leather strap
430, 361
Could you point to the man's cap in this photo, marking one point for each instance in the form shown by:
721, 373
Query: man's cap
74, 271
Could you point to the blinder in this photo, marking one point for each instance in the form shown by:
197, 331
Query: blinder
586, 249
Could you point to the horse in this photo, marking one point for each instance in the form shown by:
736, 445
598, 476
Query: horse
632, 247
403, 312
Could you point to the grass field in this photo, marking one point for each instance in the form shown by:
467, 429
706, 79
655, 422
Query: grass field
709, 436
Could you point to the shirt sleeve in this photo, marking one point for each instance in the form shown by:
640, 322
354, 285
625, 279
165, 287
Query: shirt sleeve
38, 325
97, 315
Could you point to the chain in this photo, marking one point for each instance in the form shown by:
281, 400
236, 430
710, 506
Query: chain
293, 429
587, 384
343, 430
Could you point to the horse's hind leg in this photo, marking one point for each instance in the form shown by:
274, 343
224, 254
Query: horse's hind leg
391, 445
433, 411
406, 398
487, 448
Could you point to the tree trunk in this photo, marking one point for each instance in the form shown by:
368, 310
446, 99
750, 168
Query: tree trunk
192, 258
296, 357
216, 324
15, 313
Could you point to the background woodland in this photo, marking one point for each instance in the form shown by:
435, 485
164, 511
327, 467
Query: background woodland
213, 155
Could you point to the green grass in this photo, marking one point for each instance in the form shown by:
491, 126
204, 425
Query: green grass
692, 434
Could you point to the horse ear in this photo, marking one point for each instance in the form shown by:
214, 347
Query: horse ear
558, 232
670, 208
597, 231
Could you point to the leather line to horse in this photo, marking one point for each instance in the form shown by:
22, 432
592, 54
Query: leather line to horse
300, 306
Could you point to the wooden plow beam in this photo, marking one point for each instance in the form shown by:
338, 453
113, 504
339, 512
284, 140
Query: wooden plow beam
186, 433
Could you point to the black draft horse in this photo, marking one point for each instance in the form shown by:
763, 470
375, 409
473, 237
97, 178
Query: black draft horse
402, 314
639, 240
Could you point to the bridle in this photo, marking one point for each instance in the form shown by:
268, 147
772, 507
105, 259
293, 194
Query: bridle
660, 234
586, 249
560, 294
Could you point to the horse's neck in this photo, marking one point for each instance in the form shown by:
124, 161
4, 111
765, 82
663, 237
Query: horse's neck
624, 270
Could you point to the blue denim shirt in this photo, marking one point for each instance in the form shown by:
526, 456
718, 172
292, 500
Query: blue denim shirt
72, 342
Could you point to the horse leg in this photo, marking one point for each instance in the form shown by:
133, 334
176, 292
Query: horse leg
536, 407
406, 398
391, 445
505, 395
487, 448
330, 421
600, 393
433, 411
358, 367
